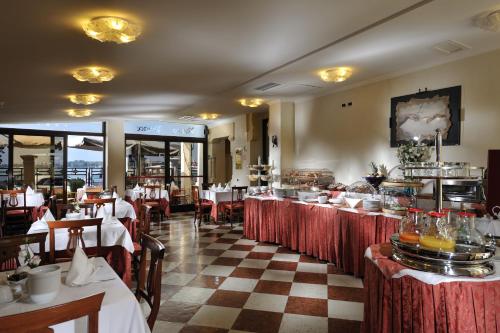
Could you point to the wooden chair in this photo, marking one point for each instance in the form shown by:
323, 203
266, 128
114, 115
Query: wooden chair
65, 208
153, 198
236, 207
15, 216
101, 202
144, 227
201, 207
93, 192
149, 284
10, 246
39, 321
75, 233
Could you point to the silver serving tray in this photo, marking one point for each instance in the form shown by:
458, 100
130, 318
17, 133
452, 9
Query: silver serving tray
476, 270
463, 255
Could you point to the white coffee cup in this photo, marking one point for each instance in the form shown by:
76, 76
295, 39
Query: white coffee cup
44, 283
5, 294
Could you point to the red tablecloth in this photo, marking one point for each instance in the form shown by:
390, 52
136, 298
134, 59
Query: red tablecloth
407, 304
327, 233
217, 208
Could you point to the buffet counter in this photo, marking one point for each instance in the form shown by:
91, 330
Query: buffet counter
399, 299
337, 235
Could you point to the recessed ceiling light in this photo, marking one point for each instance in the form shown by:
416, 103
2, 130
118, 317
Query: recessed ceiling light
93, 74
79, 113
336, 74
251, 102
85, 99
112, 29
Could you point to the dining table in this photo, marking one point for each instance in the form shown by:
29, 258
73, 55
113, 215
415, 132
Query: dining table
134, 196
123, 209
34, 201
339, 235
120, 311
116, 242
218, 198
402, 299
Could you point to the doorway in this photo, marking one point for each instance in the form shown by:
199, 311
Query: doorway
222, 162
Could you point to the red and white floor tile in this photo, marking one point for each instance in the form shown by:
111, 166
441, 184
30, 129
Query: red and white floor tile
216, 281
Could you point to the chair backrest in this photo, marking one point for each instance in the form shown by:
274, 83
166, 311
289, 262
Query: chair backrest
101, 202
149, 285
238, 193
154, 192
65, 208
144, 221
10, 246
11, 199
41, 320
75, 233
195, 192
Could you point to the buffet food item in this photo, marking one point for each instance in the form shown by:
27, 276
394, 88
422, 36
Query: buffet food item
439, 235
306, 178
399, 195
337, 187
467, 235
411, 226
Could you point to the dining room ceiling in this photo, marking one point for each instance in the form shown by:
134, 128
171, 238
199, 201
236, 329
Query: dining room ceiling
198, 56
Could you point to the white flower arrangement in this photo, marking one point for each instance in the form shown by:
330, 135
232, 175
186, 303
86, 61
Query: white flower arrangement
413, 152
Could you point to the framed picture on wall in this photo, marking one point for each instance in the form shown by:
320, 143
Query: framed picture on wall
417, 116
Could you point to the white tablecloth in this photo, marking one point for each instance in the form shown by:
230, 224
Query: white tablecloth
216, 196
135, 194
120, 311
32, 200
122, 209
112, 233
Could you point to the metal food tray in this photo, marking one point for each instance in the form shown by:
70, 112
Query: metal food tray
459, 263
477, 271
459, 256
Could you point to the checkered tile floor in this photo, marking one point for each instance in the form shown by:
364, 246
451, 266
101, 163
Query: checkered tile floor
215, 280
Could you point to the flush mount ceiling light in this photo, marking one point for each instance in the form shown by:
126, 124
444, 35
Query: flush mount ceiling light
489, 21
251, 102
84, 99
112, 29
79, 113
336, 74
209, 116
93, 74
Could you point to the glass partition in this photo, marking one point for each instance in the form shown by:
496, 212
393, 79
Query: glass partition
145, 162
4, 162
186, 162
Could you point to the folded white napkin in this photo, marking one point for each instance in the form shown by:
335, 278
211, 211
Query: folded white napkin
115, 195
48, 216
82, 269
228, 187
84, 196
29, 190
39, 225
137, 187
213, 188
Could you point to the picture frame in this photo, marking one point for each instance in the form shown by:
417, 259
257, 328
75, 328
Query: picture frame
417, 116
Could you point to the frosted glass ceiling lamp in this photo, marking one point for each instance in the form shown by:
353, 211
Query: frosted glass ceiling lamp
79, 113
489, 21
209, 116
112, 29
85, 99
251, 102
337, 74
93, 74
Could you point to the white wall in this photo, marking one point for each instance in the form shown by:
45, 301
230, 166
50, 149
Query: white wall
345, 140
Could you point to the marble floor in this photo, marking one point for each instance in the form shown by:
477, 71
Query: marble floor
215, 280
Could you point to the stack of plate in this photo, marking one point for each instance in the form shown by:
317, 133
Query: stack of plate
372, 205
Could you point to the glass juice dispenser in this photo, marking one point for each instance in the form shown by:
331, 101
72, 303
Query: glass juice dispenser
439, 234
411, 226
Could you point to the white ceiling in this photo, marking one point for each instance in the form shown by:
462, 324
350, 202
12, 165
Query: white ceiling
199, 56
